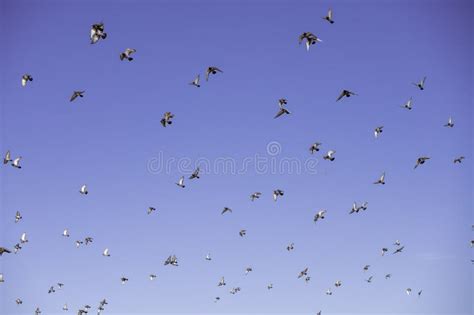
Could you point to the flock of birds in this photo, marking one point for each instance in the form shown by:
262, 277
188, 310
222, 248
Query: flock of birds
98, 33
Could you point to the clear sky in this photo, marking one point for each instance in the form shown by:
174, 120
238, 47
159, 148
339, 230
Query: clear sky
110, 139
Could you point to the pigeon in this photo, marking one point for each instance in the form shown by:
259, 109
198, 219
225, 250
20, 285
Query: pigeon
320, 215
152, 277
66, 233
217, 299
88, 240
345, 93
330, 155
221, 282
421, 160
381, 180
4, 250
84, 190
310, 39
338, 283
419, 293
384, 250
398, 250
166, 120
37, 311
51, 290
421, 84
366, 267
18, 217
472, 243
235, 290
171, 260
307, 279
388, 276
150, 210
270, 286
364, 206
328, 17
208, 257
127, 53
277, 193
242, 233
355, 208
290, 247
23, 238
369, 280
195, 174
281, 103
196, 80
60, 285
378, 131
226, 209
248, 270
212, 70
180, 183
76, 94
16, 162
450, 123
1, 278
124, 280
328, 292
303, 273
459, 159
97, 32
25, 79
318, 313
408, 105
314, 147
65, 308
17, 248
408, 291
8, 158
106, 253
18, 301
79, 243
255, 195
397, 243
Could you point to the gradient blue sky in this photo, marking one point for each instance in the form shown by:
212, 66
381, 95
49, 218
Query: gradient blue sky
106, 139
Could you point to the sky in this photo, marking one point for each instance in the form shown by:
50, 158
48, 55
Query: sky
112, 140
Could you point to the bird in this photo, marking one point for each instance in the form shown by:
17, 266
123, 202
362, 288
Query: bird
8, 158
235, 290
397, 243
388, 276
152, 277
310, 38
450, 123
17, 248
281, 103
60, 285
84, 190
97, 32
16, 162
248, 270
384, 250
408, 291
208, 257
106, 253
355, 208
76, 94
270, 286
345, 93
23, 238
328, 17
255, 195
328, 292
123, 280
65, 308
51, 290
314, 147
330, 155
408, 104
150, 210
37, 311
226, 209
320, 215
369, 280
307, 279
303, 273
366, 267
66, 233
421, 161
378, 130
79, 243
277, 193
180, 183
221, 282
212, 70
242, 233
196, 80
195, 174
25, 79
381, 180
419, 293
4, 250
171, 260
290, 247
338, 283
127, 53
459, 159
421, 84
398, 250
88, 240
166, 120
18, 217
19, 301
217, 299
1, 278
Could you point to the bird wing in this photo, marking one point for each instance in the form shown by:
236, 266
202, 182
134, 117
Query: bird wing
340, 96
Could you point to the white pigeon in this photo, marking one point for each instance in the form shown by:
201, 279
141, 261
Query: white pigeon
408, 291
328, 17
330, 155
66, 233
106, 253
277, 193
1, 278
421, 84
338, 283
16, 162
329, 292
180, 183
84, 190
8, 157
18, 301
23, 238
65, 308
320, 215
208, 257
196, 80
25, 78
450, 123
408, 104
221, 282
381, 179
152, 277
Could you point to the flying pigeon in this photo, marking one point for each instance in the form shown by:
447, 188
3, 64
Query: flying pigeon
208, 257
378, 131
127, 53
226, 209
310, 39
329, 292
65, 308
369, 280
18, 301
79, 243
84, 190
1, 278
290, 247
97, 32
270, 286
398, 250
408, 105
37, 311
25, 79
303, 273
17, 248
277, 193
8, 158
338, 283
150, 210
281, 103
320, 215
419, 293
255, 195
221, 282
330, 155
217, 299
450, 123
307, 279
248, 270
345, 93
180, 183
171, 260
88, 240
408, 291
235, 290
397, 243
16, 162
76, 94
196, 80
152, 277
328, 17
51, 290
421, 84
314, 147
106, 253
384, 250
195, 174
242, 233
66, 233
18, 217
212, 70
388, 276
381, 180
166, 120
366, 267
459, 159
123, 280
421, 160
4, 250
23, 238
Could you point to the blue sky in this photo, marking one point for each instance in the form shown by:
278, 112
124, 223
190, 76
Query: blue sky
108, 138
